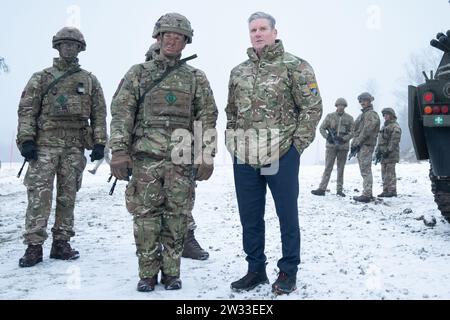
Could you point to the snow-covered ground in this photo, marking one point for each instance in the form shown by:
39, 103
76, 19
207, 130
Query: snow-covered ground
380, 250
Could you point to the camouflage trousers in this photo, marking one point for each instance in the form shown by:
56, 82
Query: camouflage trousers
67, 164
330, 156
190, 218
388, 176
365, 167
159, 198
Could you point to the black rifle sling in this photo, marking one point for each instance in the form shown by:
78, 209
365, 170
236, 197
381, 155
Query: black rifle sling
55, 82
163, 76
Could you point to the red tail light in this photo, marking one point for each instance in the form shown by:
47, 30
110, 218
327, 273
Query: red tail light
436, 110
444, 109
428, 97
428, 110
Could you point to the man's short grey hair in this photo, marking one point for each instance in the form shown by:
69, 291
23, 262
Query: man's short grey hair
263, 15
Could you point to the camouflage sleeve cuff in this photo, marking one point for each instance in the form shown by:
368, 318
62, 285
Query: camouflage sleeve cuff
23, 139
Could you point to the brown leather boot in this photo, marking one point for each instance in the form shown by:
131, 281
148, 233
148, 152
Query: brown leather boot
192, 248
62, 250
32, 256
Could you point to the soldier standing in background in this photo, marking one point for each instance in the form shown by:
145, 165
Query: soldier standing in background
337, 130
191, 248
155, 99
365, 134
62, 111
388, 152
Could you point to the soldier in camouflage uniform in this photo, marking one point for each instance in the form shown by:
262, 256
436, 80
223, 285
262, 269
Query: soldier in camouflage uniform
365, 134
62, 111
388, 152
272, 92
337, 130
154, 101
192, 248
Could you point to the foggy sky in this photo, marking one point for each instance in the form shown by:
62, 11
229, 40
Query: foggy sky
352, 45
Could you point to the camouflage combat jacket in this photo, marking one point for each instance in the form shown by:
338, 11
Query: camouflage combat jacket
389, 142
71, 114
276, 91
181, 98
366, 128
341, 125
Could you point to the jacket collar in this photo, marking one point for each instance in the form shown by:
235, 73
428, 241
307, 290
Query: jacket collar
369, 108
62, 65
269, 52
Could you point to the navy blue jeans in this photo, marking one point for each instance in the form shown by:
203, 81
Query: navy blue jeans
251, 189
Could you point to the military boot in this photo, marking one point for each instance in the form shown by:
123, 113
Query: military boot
192, 248
147, 284
387, 194
32, 256
318, 192
250, 281
340, 193
362, 198
62, 250
285, 283
171, 282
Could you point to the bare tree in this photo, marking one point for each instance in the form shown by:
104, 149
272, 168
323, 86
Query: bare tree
425, 60
372, 87
3, 66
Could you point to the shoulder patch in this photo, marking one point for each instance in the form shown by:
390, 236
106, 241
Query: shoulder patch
118, 88
23, 94
313, 88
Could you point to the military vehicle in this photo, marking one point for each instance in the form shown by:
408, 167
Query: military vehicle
429, 124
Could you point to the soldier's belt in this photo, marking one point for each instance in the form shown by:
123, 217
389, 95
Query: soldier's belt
166, 123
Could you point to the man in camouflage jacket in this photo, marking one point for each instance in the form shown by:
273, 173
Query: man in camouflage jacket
62, 111
153, 115
273, 110
365, 134
337, 130
388, 152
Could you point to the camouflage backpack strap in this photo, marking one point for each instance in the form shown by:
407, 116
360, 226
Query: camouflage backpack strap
163, 76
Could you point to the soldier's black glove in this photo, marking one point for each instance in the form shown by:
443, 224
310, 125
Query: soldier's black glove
98, 152
378, 156
385, 154
339, 140
330, 139
28, 150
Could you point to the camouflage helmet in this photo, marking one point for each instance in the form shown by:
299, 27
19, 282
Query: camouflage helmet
69, 34
389, 111
365, 96
174, 22
341, 101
